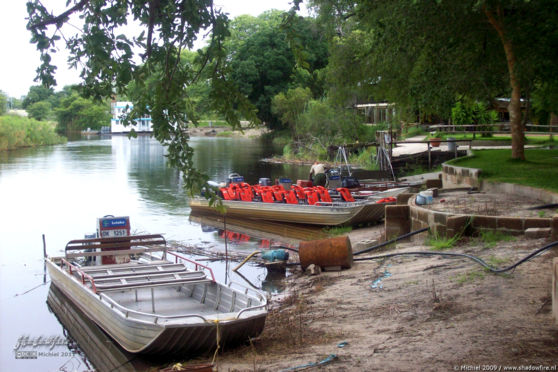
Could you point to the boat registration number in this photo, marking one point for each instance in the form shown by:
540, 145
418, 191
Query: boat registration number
113, 233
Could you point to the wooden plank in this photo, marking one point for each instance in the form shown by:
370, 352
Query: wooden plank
122, 244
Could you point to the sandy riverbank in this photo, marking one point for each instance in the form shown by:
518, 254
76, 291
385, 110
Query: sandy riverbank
423, 314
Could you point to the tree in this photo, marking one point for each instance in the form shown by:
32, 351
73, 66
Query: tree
36, 93
423, 54
288, 106
39, 110
263, 63
77, 113
109, 62
3, 103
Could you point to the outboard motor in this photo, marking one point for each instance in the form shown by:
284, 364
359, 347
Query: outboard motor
264, 182
234, 178
350, 182
333, 179
285, 182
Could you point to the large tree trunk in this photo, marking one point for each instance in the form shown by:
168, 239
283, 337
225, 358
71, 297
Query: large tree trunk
514, 107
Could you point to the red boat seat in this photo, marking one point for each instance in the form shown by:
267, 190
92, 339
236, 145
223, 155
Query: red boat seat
345, 194
324, 194
267, 194
234, 191
226, 194
290, 197
389, 199
278, 192
299, 192
246, 193
311, 196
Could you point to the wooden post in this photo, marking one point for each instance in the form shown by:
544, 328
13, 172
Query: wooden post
44, 247
429, 157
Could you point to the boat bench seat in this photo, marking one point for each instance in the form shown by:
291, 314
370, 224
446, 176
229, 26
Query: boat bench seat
150, 280
122, 245
134, 270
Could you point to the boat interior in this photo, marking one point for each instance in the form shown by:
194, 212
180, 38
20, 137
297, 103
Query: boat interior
144, 283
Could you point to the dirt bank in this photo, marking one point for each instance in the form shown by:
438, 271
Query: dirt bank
411, 313
222, 130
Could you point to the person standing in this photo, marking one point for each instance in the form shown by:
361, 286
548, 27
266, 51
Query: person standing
317, 174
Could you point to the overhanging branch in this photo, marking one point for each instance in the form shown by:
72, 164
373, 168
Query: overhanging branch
60, 18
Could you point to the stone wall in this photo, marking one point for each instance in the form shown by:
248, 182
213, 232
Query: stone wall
451, 224
458, 177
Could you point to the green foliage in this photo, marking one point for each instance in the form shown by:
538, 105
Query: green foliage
110, 57
3, 103
262, 63
77, 113
497, 165
337, 230
39, 110
288, 106
328, 124
440, 243
470, 277
467, 111
37, 93
17, 131
491, 237
365, 159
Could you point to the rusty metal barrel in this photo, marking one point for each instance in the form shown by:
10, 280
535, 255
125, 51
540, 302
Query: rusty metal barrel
332, 252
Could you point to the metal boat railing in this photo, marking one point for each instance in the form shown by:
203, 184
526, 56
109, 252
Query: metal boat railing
197, 264
155, 318
83, 274
247, 289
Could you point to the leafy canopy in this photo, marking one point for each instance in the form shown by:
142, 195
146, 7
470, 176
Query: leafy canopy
111, 57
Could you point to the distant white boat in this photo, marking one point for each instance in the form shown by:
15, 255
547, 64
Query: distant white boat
120, 108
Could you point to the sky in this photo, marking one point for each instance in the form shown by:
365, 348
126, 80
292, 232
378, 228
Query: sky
20, 59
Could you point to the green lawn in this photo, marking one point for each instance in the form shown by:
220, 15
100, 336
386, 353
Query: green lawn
540, 169
531, 140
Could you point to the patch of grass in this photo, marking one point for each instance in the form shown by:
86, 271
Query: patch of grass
413, 131
366, 159
337, 230
440, 243
542, 214
491, 237
530, 140
225, 133
538, 170
470, 277
496, 262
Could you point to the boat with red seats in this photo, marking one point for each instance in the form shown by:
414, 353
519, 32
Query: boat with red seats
313, 205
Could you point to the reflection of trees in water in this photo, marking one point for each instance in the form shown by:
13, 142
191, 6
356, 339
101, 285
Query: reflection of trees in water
155, 180
218, 157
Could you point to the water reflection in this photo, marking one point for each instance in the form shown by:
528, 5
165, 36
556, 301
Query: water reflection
89, 346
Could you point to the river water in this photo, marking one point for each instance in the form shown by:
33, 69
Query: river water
60, 190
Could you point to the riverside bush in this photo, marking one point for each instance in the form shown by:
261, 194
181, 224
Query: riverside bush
17, 131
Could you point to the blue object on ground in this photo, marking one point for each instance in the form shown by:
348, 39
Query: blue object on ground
378, 282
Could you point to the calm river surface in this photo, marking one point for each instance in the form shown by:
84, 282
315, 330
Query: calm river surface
59, 191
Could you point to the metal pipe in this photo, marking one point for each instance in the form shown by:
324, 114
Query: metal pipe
404, 236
